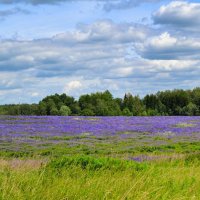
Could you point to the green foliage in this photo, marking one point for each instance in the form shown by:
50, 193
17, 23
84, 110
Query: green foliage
101, 108
87, 112
151, 101
152, 112
191, 109
127, 112
90, 178
91, 163
42, 108
65, 111
128, 102
75, 108
174, 102
192, 158
138, 106
54, 111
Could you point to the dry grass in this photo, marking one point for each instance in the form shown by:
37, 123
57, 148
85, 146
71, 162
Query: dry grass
19, 164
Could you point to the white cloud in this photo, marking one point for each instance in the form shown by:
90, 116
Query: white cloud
73, 85
90, 47
34, 94
162, 41
96, 57
104, 31
167, 47
122, 71
179, 14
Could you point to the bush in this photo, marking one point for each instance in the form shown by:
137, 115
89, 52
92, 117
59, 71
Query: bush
91, 163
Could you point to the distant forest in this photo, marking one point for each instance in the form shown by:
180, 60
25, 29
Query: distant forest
175, 102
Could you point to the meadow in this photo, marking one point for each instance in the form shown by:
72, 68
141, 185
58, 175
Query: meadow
54, 157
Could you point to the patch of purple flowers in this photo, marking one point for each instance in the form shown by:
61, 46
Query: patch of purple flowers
27, 127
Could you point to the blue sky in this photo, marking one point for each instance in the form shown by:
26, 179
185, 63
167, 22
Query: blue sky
78, 47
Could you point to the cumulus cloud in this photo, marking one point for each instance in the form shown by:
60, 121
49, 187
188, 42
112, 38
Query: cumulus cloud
73, 85
96, 57
88, 59
179, 14
34, 94
69, 52
169, 47
121, 72
105, 31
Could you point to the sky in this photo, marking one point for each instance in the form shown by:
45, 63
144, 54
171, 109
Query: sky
84, 46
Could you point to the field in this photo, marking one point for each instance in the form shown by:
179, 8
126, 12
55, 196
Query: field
99, 158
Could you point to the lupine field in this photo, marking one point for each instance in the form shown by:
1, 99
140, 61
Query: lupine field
55, 157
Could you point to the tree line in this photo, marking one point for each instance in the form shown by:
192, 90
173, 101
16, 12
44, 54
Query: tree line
169, 102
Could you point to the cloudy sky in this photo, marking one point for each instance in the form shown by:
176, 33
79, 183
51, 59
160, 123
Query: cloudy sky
84, 46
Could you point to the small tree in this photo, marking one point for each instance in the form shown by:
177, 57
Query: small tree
54, 111
87, 112
127, 112
190, 110
42, 108
64, 111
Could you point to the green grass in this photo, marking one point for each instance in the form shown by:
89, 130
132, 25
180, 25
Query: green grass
116, 148
86, 177
184, 125
100, 169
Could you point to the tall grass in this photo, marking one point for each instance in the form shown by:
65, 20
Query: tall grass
95, 179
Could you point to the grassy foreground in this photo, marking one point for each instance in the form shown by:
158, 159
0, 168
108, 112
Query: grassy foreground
86, 177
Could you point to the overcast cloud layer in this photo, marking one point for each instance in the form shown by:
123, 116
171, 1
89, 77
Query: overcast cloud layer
48, 50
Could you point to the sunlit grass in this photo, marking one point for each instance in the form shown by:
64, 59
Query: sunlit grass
89, 178
185, 125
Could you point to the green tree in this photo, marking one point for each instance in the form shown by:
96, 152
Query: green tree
65, 111
87, 112
42, 108
151, 101
101, 108
195, 95
127, 112
75, 108
54, 111
138, 106
128, 101
174, 100
190, 110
